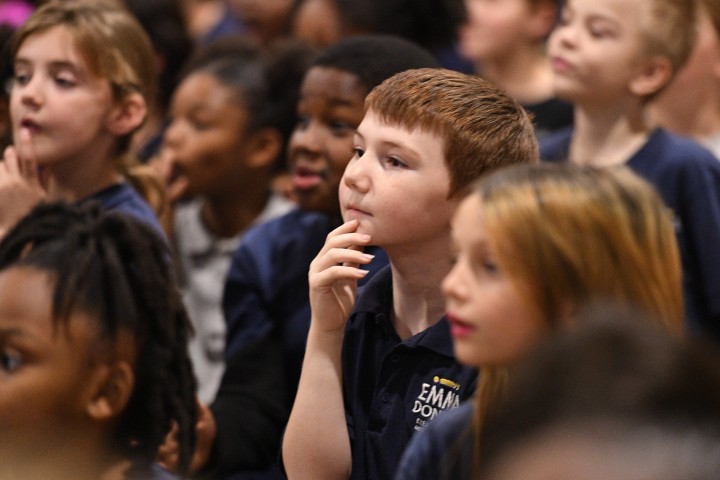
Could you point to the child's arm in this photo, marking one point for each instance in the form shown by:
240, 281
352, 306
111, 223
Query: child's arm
20, 185
316, 443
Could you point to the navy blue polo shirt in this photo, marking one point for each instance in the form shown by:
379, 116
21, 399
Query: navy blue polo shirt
122, 197
266, 290
393, 388
687, 177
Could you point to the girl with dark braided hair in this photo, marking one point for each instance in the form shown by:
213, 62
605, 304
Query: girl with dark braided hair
94, 369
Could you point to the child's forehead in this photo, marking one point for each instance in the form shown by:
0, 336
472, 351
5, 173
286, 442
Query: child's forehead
26, 308
608, 6
384, 125
416, 142
57, 44
324, 75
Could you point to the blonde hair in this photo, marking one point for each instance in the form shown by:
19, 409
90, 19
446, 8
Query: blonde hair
670, 30
569, 236
482, 127
116, 48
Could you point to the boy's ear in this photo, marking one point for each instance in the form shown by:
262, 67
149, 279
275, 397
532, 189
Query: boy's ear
264, 148
110, 390
127, 114
653, 75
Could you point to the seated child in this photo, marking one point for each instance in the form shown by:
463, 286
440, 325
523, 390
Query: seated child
534, 244
266, 293
229, 122
612, 397
610, 58
506, 42
378, 369
93, 337
690, 105
84, 78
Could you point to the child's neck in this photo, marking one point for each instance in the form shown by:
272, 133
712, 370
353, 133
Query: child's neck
697, 116
227, 215
526, 75
608, 136
82, 462
417, 273
79, 178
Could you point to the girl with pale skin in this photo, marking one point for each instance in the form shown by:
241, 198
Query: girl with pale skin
532, 245
74, 110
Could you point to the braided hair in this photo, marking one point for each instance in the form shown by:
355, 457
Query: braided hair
116, 270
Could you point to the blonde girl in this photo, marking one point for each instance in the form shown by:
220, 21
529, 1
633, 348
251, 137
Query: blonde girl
84, 75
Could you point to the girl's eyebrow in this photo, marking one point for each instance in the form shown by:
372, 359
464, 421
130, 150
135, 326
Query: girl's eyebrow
54, 65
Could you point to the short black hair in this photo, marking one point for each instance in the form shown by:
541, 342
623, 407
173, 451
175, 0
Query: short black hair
266, 79
374, 58
432, 24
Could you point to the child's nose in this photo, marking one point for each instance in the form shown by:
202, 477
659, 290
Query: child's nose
307, 138
449, 285
30, 93
172, 134
356, 175
563, 34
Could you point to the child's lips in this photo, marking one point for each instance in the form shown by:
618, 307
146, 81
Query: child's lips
306, 179
353, 211
459, 328
30, 125
560, 65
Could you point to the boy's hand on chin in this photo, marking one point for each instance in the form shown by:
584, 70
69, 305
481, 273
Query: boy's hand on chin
334, 274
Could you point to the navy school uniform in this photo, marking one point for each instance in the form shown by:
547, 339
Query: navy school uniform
122, 197
267, 310
687, 177
266, 291
442, 451
393, 388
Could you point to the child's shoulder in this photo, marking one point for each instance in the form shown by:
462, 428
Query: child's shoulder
555, 147
123, 198
666, 152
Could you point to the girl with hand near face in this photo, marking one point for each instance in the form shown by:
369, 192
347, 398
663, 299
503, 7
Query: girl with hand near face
84, 75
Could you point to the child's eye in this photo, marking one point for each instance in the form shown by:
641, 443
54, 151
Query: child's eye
64, 82
599, 33
395, 162
10, 360
359, 152
21, 79
302, 122
200, 124
490, 267
599, 29
339, 128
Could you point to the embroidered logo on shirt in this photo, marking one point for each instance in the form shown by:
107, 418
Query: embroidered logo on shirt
433, 398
